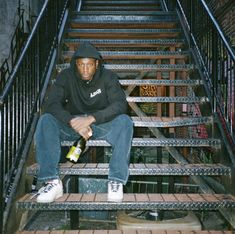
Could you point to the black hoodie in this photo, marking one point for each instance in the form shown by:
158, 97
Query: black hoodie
102, 97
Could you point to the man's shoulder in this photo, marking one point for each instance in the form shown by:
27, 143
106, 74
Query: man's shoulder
107, 73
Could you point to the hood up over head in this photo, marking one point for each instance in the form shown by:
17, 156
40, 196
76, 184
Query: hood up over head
85, 50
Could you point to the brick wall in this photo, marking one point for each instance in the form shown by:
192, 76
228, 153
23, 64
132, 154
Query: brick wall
224, 12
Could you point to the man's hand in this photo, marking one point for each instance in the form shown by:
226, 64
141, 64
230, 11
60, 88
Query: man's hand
86, 133
82, 125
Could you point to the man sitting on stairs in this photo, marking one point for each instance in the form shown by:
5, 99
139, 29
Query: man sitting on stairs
86, 101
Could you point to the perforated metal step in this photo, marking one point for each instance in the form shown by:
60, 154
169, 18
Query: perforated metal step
164, 142
125, 19
140, 169
140, 67
162, 122
168, 99
136, 54
130, 43
164, 82
120, 8
122, 2
132, 202
140, 12
124, 33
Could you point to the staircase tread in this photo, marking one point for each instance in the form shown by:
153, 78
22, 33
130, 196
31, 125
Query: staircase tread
141, 67
126, 8
176, 99
69, 168
142, 19
132, 231
159, 13
135, 54
129, 30
98, 201
159, 82
125, 41
122, 2
170, 121
164, 142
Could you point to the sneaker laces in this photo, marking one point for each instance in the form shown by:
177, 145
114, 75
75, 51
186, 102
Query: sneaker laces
114, 186
44, 189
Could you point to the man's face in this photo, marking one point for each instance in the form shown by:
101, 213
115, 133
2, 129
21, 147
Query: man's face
87, 67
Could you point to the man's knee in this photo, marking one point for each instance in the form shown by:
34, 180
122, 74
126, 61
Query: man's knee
125, 121
45, 121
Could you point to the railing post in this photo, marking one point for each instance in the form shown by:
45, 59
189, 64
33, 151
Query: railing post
214, 73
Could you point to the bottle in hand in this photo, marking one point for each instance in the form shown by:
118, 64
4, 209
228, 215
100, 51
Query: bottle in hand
76, 150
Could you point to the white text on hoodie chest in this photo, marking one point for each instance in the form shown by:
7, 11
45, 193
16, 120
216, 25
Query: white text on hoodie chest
98, 91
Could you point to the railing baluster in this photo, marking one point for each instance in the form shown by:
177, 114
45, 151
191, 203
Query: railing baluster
20, 94
216, 57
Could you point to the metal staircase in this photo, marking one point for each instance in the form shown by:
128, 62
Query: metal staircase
145, 46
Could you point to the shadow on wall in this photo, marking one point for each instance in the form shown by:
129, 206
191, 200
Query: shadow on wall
9, 17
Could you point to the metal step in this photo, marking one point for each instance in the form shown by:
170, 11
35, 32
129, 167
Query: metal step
140, 67
126, 43
122, 2
120, 8
150, 67
135, 201
141, 169
161, 82
136, 54
168, 99
160, 142
123, 33
125, 19
163, 122
140, 12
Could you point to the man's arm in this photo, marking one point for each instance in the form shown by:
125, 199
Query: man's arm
82, 125
56, 100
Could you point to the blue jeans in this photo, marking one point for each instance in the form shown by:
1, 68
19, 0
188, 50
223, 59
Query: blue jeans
50, 132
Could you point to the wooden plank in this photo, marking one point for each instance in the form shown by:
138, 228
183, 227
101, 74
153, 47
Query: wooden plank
57, 232
101, 197
183, 197
141, 197
88, 197
169, 198
128, 197
71, 232
73, 197
155, 197
196, 197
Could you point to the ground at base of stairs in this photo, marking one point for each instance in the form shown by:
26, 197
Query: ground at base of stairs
57, 220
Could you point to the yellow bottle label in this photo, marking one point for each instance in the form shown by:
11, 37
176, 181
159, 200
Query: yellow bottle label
74, 154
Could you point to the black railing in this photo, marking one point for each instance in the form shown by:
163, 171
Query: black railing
216, 60
16, 45
20, 98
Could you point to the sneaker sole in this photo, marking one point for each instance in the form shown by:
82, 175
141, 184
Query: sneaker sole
114, 200
49, 201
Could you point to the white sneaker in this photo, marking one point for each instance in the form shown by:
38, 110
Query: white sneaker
115, 191
50, 192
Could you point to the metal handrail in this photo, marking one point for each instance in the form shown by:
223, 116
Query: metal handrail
21, 97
